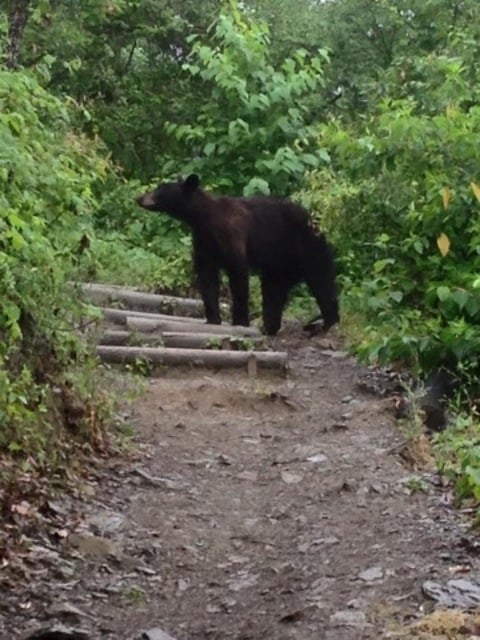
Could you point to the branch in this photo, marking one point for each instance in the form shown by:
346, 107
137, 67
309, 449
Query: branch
130, 56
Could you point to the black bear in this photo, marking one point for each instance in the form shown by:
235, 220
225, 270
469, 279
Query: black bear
269, 236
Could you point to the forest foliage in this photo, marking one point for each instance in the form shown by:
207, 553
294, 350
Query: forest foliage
364, 110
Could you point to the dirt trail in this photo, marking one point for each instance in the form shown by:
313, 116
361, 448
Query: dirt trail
268, 509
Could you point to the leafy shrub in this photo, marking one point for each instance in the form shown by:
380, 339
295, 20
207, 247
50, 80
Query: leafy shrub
458, 454
49, 177
254, 132
117, 258
402, 206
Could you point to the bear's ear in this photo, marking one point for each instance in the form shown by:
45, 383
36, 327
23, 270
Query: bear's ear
191, 183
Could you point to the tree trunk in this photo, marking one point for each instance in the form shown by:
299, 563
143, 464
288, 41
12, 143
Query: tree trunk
17, 20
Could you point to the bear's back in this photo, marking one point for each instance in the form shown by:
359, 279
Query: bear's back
276, 230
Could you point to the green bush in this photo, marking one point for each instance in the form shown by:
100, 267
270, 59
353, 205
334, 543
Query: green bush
49, 177
118, 258
402, 206
254, 133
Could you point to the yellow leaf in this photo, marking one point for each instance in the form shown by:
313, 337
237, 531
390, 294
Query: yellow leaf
450, 110
446, 196
443, 244
476, 190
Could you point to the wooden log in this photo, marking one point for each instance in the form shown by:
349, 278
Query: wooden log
105, 295
193, 357
115, 337
148, 325
179, 340
119, 316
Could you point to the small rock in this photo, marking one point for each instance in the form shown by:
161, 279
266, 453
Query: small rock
234, 559
148, 571
372, 574
248, 475
243, 581
65, 610
331, 540
87, 490
39, 552
106, 524
334, 354
317, 458
461, 593
340, 426
291, 478
212, 608
348, 618
228, 604
292, 617
182, 585
355, 603
57, 507
94, 545
156, 634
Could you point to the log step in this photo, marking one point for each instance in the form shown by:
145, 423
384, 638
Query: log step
182, 340
224, 359
105, 295
120, 316
147, 324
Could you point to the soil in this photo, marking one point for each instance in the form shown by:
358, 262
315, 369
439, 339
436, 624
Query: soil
270, 508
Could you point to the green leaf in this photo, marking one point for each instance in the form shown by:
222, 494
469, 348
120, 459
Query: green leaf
209, 148
460, 297
324, 155
310, 159
418, 246
256, 185
443, 293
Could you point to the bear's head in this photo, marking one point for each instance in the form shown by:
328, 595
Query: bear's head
174, 198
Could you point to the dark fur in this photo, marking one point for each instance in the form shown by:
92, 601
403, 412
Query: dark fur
268, 236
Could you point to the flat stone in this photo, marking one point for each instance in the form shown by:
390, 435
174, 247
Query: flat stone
371, 574
156, 634
460, 593
348, 618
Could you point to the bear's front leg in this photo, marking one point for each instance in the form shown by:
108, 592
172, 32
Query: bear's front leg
208, 278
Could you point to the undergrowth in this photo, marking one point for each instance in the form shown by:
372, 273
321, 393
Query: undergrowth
54, 402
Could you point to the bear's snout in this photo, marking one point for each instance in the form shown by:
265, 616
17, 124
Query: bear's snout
147, 200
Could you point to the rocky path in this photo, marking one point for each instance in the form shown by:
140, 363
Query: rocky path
251, 509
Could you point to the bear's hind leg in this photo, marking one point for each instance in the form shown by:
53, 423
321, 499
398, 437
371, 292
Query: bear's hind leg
326, 300
319, 275
239, 288
274, 297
